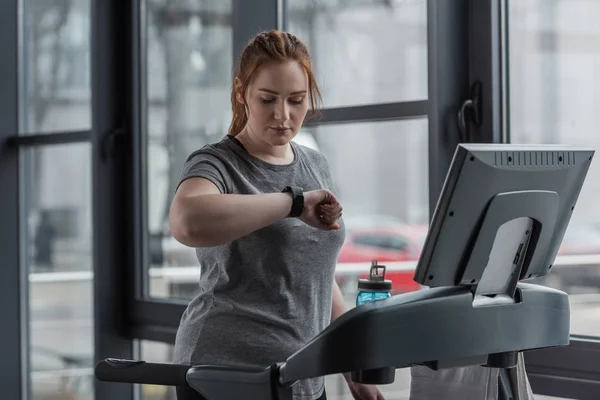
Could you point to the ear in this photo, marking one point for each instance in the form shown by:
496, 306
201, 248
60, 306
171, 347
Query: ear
238, 90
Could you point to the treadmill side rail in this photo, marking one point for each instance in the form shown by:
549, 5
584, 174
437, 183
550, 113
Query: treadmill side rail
230, 383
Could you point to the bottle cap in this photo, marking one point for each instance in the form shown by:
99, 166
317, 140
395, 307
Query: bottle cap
376, 281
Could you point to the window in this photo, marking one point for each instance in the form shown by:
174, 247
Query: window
189, 63
380, 171
58, 248
55, 85
365, 51
554, 96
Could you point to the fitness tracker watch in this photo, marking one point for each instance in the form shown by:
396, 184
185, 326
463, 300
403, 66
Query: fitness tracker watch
297, 200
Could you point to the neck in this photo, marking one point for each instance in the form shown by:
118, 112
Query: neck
265, 151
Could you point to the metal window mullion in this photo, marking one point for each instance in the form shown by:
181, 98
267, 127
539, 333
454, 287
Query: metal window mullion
372, 113
46, 139
113, 223
486, 24
139, 32
13, 277
251, 17
448, 83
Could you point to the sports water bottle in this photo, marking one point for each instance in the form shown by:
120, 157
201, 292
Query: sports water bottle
375, 288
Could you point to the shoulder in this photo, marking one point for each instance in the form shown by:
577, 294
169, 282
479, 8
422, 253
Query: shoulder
213, 162
212, 151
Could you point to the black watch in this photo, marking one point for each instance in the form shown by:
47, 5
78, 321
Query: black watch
297, 200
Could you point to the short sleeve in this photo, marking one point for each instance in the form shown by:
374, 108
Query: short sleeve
206, 164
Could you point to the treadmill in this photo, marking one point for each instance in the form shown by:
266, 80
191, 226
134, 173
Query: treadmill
499, 222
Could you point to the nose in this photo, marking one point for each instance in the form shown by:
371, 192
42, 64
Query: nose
282, 112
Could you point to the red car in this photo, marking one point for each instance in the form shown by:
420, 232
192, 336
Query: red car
387, 243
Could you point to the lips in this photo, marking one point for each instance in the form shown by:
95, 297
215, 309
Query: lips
280, 129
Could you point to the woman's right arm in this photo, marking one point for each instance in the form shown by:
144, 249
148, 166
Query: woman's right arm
201, 216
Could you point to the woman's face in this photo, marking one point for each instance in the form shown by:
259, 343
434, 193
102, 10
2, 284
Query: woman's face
277, 100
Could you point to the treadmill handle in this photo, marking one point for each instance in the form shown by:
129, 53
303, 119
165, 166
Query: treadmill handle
133, 371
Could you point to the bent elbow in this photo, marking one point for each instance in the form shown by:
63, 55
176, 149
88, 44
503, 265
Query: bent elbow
181, 227
180, 231
187, 231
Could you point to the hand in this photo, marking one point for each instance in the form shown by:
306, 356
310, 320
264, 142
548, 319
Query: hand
321, 210
361, 391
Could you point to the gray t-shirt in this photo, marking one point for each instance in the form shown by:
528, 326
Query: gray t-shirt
265, 295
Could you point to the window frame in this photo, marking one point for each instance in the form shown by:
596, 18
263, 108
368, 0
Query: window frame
13, 281
114, 53
466, 43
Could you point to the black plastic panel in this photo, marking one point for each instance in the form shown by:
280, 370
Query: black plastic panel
438, 324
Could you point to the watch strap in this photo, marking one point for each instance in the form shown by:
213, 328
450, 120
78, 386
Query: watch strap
297, 194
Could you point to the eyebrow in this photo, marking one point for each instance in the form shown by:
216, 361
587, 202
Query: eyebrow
276, 93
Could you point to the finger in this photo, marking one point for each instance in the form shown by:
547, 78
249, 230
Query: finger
333, 227
331, 211
333, 217
330, 214
328, 211
329, 220
380, 395
331, 207
330, 199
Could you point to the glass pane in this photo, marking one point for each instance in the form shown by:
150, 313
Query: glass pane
188, 87
364, 51
57, 219
555, 95
55, 57
381, 174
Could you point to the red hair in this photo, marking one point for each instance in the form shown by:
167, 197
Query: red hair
263, 48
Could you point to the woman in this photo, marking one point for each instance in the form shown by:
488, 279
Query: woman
260, 211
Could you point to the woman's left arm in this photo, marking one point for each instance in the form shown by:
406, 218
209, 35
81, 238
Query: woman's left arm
338, 305
358, 390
